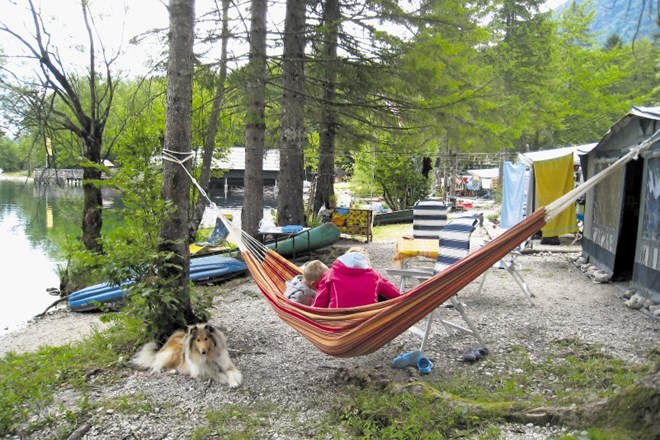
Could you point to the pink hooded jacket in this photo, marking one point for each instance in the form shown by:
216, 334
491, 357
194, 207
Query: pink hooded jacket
345, 286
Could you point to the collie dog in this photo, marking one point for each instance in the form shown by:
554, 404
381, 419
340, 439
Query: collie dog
200, 352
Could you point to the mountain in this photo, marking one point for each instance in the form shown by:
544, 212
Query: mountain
621, 17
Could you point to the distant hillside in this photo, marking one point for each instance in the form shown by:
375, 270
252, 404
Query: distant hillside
621, 17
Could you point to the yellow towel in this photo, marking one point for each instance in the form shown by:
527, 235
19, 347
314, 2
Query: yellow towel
554, 178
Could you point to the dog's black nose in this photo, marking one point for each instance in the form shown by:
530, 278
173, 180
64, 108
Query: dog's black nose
203, 351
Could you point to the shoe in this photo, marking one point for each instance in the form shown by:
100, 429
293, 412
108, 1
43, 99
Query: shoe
483, 351
406, 359
470, 355
424, 365
475, 354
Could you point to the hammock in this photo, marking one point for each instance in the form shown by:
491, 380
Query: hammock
362, 330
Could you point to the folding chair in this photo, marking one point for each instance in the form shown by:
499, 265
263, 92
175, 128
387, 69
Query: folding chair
218, 236
429, 217
454, 245
508, 264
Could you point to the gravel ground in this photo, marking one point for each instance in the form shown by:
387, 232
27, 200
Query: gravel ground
281, 368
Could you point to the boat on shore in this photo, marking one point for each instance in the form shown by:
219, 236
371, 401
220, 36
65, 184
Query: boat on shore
303, 242
390, 218
203, 270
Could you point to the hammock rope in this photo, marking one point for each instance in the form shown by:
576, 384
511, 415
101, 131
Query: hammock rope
362, 330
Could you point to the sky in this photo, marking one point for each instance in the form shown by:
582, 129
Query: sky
117, 21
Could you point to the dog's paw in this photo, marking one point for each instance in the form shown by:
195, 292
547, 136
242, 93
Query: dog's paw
234, 378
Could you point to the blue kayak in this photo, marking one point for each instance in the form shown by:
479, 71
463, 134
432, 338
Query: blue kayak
203, 270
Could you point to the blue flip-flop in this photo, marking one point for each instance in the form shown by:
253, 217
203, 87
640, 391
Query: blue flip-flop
406, 359
424, 365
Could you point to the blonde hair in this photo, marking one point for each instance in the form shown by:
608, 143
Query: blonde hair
359, 250
313, 271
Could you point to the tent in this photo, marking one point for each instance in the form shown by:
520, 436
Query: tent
622, 214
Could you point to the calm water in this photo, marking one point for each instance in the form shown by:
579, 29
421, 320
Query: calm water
34, 221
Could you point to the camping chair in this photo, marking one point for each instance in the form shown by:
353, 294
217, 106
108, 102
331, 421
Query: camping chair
508, 264
429, 217
454, 246
218, 236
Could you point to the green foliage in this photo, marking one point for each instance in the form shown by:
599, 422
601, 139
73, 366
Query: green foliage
395, 172
10, 159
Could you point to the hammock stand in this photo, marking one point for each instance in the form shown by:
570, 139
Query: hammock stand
358, 331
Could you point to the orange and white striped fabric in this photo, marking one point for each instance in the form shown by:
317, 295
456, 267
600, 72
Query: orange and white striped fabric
362, 330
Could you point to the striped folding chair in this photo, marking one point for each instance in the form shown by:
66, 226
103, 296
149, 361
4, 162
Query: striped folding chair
454, 245
429, 217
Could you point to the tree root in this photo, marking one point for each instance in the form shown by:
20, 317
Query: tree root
50, 307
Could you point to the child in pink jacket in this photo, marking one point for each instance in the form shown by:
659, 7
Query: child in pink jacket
351, 281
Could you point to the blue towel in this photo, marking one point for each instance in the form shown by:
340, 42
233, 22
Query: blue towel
513, 194
291, 229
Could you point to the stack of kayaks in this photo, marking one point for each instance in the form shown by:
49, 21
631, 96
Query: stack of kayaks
203, 270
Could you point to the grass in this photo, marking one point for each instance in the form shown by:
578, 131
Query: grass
31, 381
461, 405
391, 232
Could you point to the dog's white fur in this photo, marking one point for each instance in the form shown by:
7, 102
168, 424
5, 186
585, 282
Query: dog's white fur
200, 352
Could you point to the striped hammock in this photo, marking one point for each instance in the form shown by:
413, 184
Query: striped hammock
362, 330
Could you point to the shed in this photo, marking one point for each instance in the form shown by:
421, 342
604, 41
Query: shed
486, 177
234, 166
622, 213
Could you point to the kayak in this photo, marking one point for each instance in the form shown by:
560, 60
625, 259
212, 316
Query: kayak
203, 270
307, 240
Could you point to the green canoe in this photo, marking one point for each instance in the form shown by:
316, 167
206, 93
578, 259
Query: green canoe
316, 238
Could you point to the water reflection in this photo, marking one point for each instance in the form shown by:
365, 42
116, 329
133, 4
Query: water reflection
37, 221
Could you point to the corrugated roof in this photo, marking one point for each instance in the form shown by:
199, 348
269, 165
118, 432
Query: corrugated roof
537, 156
634, 114
236, 160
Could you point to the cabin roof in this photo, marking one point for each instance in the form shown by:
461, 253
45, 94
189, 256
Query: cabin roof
235, 160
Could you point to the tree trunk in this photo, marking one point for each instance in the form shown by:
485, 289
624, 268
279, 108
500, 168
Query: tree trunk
328, 126
178, 140
255, 122
209, 141
92, 220
290, 197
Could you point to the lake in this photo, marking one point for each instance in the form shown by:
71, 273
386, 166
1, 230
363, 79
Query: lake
34, 219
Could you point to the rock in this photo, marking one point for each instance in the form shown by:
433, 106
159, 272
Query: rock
635, 302
629, 293
601, 277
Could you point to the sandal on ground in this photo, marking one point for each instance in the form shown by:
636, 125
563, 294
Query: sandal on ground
408, 359
424, 365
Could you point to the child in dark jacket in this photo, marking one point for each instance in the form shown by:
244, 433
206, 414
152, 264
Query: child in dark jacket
351, 282
302, 288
